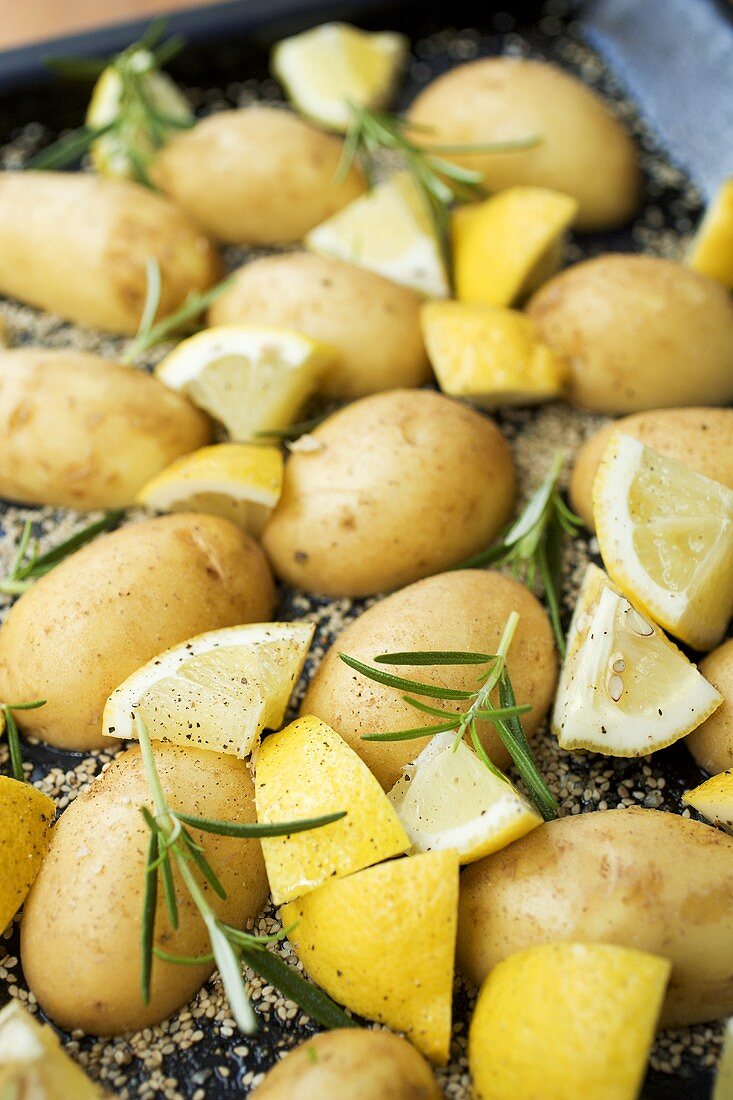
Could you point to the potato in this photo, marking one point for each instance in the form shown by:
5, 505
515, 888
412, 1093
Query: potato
372, 323
353, 1062
114, 604
465, 610
80, 933
711, 744
80, 432
77, 244
639, 332
637, 878
582, 150
257, 175
400, 485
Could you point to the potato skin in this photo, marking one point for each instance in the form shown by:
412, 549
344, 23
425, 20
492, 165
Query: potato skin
257, 175
80, 932
80, 432
353, 1062
584, 151
111, 606
464, 610
639, 332
94, 236
638, 878
711, 744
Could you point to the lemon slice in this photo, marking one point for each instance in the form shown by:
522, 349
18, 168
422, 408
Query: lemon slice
625, 689
564, 1021
249, 377
711, 250
714, 799
666, 537
382, 942
217, 691
388, 230
307, 770
34, 1065
239, 481
448, 799
26, 816
328, 67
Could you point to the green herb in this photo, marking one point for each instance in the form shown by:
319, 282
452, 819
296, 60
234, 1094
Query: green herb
173, 846
28, 565
505, 718
293, 431
13, 735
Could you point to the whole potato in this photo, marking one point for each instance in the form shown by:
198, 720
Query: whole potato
400, 485
639, 332
80, 432
372, 323
77, 244
711, 744
637, 878
582, 149
465, 610
257, 175
114, 604
353, 1062
80, 934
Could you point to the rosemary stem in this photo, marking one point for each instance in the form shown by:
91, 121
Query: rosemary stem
151, 771
9, 587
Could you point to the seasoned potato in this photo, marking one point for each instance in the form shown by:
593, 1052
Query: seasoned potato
114, 604
257, 175
80, 432
637, 878
639, 332
701, 438
582, 149
400, 485
372, 323
465, 610
80, 934
353, 1062
77, 244
712, 743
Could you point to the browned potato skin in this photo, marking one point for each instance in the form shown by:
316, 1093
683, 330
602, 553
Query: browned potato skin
114, 604
80, 432
372, 323
464, 610
404, 484
699, 437
81, 923
257, 175
638, 878
77, 244
354, 1063
584, 150
639, 332
711, 744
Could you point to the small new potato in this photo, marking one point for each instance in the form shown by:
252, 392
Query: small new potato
82, 629
464, 610
372, 323
400, 485
256, 175
639, 332
711, 744
78, 245
638, 878
353, 1062
80, 432
80, 933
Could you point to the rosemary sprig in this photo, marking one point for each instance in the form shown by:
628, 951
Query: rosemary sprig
293, 431
506, 717
13, 735
28, 565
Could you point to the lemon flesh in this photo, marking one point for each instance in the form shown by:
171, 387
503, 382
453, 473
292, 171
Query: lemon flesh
34, 1065
216, 691
26, 816
666, 537
711, 251
564, 1021
625, 689
714, 799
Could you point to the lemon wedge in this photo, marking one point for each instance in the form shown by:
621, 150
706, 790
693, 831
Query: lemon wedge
328, 67
307, 770
563, 1021
26, 816
388, 230
448, 799
714, 799
625, 689
216, 691
239, 481
711, 250
382, 942
249, 377
34, 1065
666, 537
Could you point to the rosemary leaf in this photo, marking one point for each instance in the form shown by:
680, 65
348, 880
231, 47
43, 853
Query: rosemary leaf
26, 706
150, 901
425, 708
28, 566
439, 657
182, 960
434, 691
259, 829
203, 865
77, 68
313, 1001
413, 734
68, 149
57, 553
293, 431
169, 890
13, 735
